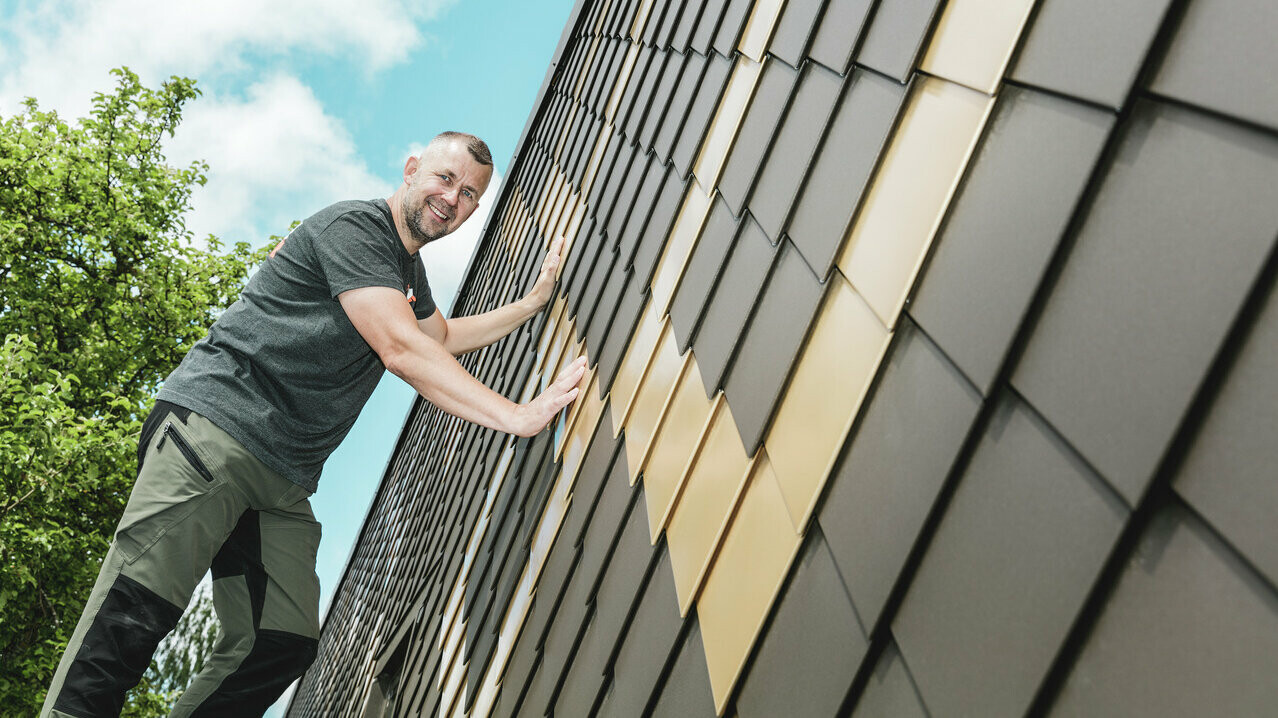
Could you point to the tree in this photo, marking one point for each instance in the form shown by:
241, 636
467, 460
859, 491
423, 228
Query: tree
102, 291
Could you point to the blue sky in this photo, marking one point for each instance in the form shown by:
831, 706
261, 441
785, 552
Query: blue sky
304, 103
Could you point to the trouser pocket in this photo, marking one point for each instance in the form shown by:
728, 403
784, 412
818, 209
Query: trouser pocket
174, 482
185, 449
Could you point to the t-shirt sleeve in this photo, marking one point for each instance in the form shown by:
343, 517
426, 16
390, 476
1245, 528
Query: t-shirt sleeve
353, 253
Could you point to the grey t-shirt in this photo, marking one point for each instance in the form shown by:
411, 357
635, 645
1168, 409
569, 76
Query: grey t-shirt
283, 370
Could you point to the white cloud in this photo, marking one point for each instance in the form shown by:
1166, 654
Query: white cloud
447, 258
59, 51
274, 153
413, 150
274, 156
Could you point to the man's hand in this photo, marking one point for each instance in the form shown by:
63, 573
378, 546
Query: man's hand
545, 283
532, 417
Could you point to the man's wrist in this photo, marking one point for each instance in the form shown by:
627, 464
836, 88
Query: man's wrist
518, 422
529, 305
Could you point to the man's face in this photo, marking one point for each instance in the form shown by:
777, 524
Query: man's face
444, 187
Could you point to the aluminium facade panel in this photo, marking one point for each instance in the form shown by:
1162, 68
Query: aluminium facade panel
660, 101
632, 232
771, 344
707, 25
689, 17
731, 25
1089, 49
808, 658
622, 584
840, 26
649, 642
607, 279
797, 139
1190, 630
830, 380
623, 324
583, 679
624, 200
701, 112
728, 310
842, 167
644, 104
890, 691
686, 691
715, 242
1007, 220
754, 136
1231, 77
895, 467
671, 126
895, 37
794, 29
1227, 474
652, 242
1161, 267
1010, 583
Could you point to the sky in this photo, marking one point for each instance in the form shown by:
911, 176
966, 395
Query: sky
304, 104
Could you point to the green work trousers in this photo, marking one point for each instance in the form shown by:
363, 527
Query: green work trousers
201, 501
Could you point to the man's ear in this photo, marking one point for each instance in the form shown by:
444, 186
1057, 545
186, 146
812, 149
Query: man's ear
410, 169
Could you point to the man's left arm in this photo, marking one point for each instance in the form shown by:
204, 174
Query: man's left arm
464, 334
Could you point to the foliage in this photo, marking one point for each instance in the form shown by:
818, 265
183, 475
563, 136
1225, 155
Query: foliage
102, 291
56, 466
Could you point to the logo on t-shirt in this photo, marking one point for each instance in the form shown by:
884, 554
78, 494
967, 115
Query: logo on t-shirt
280, 246
408, 292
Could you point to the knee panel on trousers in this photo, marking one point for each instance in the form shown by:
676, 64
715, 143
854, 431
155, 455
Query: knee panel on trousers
116, 650
276, 657
276, 660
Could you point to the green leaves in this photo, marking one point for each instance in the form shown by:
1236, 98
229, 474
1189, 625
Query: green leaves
95, 260
102, 290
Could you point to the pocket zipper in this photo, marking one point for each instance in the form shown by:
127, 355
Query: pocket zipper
191, 457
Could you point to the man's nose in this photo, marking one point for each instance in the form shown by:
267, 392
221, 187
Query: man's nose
453, 196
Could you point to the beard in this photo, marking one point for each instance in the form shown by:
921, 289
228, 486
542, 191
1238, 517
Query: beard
416, 227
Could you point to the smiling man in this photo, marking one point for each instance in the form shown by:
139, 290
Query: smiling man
233, 449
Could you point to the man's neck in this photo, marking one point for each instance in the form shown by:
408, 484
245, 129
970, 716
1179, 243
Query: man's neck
396, 202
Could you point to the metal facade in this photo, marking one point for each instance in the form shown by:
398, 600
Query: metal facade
934, 371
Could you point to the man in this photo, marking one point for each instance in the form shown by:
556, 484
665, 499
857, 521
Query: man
241, 429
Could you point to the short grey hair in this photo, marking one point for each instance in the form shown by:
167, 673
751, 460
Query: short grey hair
478, 148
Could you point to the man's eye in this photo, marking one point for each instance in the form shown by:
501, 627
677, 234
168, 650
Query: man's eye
468, 194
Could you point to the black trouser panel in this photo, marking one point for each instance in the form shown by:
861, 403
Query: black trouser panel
241, 555
276, 659
154, 420
116, 650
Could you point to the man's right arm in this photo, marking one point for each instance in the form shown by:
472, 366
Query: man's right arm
384, 318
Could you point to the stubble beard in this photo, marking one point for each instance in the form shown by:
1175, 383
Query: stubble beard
416, 228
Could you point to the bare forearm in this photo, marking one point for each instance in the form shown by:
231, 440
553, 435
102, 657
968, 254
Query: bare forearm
384, 319
436, 375
475, 332
479, 330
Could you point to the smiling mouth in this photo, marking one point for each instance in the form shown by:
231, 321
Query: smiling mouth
438, 214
